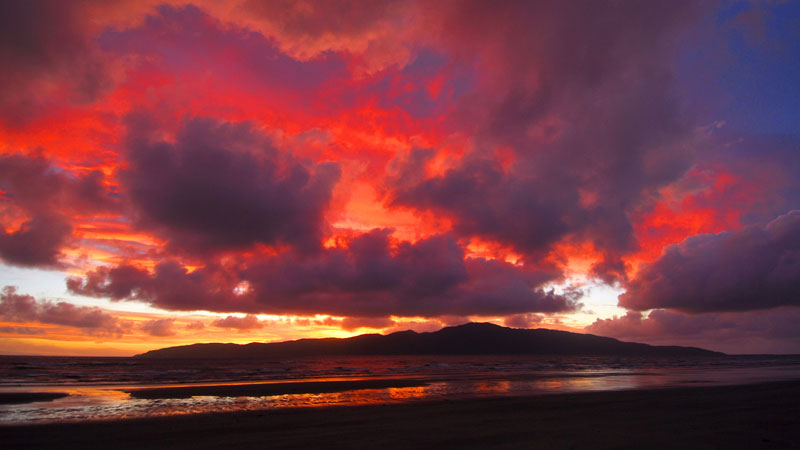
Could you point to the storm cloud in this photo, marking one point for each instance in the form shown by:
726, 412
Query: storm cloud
580, 101
755, 268
373, 276
224, 186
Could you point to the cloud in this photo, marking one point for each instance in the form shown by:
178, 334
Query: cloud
327, 321
373, 276
47, 53
36, 243
377, 32
35, 183
159, 327
354, 323
523, 320
170, 286
196, 325
487, 202
224, 186
23, 330
574, 123
123, 281
23, 308
553, 126
755, 268
37, 205
248, 322
767, 331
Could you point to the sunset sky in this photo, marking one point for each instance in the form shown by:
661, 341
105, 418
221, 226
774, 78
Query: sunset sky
246, 170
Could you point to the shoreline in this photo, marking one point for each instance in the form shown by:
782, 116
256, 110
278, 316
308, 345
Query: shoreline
763, 415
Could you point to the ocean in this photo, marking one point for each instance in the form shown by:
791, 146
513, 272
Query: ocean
123, 388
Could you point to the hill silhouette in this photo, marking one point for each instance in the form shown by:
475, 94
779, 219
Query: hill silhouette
468, 339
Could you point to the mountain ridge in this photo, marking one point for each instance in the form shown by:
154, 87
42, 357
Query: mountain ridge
468, 339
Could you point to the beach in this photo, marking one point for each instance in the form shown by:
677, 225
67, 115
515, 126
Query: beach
745, 416
14, 398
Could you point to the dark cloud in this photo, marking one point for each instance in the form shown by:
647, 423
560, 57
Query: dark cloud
45, 49
583, 98
769, 331
36, 243
221, 186
116, 283
372, 277
169, 286
488, 202
23, 308
159, 327
754, 268
34, 182
248, 322
42, 199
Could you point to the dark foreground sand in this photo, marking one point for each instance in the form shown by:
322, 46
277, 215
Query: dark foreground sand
753, 416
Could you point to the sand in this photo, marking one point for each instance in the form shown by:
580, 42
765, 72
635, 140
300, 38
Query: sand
728, 417
12, 398
263, 389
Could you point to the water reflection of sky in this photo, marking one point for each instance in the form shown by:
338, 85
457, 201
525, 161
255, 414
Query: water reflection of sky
110, 402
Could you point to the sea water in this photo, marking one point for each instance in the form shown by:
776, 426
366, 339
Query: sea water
99, 388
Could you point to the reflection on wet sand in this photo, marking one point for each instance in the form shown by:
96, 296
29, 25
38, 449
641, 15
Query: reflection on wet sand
271, 388
492, 387
409, 393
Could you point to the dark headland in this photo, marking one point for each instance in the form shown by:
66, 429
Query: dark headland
468, 339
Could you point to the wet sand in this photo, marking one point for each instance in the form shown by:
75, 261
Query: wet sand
725, 417
262, 389
14, 398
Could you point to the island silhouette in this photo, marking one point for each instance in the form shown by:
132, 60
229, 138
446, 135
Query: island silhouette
467, 339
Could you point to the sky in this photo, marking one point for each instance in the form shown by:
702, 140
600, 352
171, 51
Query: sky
174, 172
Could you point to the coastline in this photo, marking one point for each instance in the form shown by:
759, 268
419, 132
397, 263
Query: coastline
763, 415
